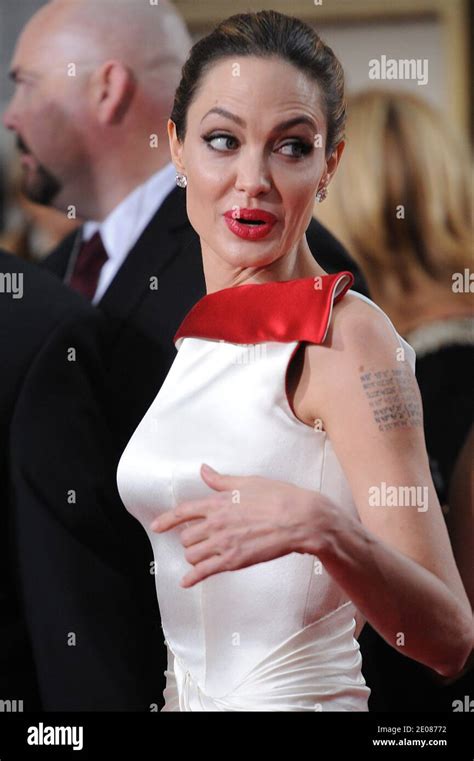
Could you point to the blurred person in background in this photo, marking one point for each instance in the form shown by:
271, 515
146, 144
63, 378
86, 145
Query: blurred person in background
402, 203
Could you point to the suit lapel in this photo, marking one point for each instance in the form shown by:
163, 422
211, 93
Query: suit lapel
59, 260
159, 243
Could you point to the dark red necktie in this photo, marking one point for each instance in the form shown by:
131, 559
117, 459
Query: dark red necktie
90, 260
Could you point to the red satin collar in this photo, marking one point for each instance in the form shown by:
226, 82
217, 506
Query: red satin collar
285, 311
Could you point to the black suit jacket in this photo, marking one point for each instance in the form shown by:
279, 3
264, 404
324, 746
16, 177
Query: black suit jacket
78, 617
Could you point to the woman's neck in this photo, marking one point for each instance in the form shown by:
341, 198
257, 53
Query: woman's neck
297, 263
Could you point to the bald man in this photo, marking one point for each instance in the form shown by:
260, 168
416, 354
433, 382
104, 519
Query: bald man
95, 81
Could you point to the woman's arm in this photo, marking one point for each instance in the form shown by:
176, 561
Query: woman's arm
397, 565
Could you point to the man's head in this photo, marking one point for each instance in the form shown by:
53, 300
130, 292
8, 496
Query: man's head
95, 81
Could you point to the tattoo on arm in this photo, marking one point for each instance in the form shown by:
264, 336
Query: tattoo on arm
393, 398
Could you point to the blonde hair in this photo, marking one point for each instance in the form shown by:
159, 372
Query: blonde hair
401, 197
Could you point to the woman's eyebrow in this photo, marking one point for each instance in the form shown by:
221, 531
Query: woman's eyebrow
302, 119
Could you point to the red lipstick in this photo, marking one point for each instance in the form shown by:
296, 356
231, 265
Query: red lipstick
251, 224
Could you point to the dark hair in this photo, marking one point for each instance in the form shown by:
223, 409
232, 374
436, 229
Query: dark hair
266, 34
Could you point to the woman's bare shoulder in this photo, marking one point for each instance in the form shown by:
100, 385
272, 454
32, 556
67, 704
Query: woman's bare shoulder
357, 325
359, 337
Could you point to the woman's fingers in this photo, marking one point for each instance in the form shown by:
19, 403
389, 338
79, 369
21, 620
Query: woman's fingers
203, 570
185, 511
199, 552
196, 532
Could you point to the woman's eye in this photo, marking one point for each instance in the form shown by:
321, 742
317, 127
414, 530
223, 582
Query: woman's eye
303, 148
222, 145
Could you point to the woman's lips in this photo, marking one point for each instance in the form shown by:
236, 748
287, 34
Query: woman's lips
250, 230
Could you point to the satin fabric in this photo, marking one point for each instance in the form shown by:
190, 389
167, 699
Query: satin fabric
311, 671
276, 311
277, 635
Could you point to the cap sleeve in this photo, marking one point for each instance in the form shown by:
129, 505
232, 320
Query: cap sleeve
292, 310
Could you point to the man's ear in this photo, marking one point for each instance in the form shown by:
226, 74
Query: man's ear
176, 147
113, 87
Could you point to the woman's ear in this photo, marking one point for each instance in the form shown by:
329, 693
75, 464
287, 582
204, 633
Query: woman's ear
176, 147
334, 158
113, 87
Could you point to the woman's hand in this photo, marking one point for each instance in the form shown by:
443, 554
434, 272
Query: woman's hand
250, 519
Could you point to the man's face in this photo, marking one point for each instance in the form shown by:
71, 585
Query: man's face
45, 114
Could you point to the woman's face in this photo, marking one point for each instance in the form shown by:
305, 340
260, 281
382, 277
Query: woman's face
247, 159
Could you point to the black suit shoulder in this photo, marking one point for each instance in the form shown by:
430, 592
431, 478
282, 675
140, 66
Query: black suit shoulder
28, 319
43, 302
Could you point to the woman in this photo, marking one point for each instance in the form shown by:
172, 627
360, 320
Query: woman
298, 386
411, 232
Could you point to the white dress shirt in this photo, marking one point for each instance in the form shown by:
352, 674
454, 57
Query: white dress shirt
121, 229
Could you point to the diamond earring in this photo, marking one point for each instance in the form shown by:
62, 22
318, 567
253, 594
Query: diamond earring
322, 194
181, 180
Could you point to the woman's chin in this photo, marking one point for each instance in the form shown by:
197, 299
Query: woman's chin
248, 263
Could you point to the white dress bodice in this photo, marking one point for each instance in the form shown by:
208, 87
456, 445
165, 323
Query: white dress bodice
278, 635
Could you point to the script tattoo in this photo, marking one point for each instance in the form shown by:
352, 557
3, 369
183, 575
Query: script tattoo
393, 398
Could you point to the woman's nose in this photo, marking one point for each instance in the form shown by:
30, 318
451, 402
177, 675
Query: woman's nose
253, 176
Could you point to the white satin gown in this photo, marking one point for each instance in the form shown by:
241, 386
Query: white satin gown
279, 635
